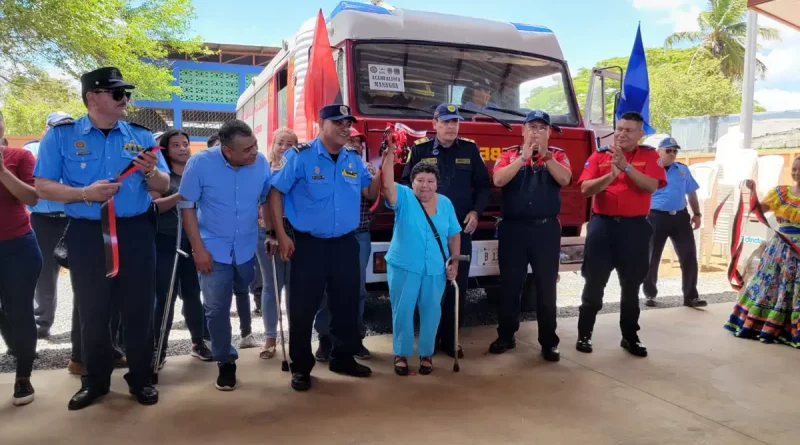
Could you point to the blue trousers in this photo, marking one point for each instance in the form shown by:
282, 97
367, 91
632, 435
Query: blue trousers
323, 321
269, 307
406, 291
218, 288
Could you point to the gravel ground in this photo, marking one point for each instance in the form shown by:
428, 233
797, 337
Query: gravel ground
54, 352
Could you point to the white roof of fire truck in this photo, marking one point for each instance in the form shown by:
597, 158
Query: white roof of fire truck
362, 21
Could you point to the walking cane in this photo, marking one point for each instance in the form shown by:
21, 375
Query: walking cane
467, 258
285, 363
168, 305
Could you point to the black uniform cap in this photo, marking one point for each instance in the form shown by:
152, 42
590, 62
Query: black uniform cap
102, 78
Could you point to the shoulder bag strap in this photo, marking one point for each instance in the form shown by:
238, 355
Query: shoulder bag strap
435, 232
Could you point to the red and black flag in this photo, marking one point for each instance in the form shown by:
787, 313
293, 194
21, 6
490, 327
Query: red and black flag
108, 221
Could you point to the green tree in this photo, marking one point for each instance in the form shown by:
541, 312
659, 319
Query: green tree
80, 35
723, 30
29, 97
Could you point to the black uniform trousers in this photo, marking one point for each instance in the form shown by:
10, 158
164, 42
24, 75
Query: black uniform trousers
319, 265
678, 228
620, 243
132, 291
536, 243
445, 336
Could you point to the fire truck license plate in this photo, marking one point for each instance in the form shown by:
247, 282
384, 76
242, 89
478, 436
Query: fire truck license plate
487, 256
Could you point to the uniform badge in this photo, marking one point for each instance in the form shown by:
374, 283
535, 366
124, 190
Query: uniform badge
349, 174
464, 161
80, 144
435, 152
350, 166
451, 108
133, 147
83, 165
659, 163
429, 160
316, 170
344, 110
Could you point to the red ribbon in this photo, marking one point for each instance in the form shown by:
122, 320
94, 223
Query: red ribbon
737, 243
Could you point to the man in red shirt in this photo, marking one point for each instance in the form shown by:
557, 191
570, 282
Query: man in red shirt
622, 179
21, 262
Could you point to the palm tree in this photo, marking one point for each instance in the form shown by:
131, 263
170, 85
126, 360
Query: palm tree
723, 30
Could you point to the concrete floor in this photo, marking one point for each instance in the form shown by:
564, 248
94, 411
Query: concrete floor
700, 385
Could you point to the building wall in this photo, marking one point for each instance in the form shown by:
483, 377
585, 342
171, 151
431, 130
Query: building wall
207, 100
770, 130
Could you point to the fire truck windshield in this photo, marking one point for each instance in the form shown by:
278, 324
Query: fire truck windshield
420, 76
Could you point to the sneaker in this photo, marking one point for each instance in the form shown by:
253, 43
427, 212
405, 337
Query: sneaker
323, 353
362, 353
23, 392
248, 341
227, 377
200, 351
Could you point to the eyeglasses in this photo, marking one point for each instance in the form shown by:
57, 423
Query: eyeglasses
670, 151
117, 94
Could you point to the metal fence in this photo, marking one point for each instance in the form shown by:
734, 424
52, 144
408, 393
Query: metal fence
199, 123
156, 119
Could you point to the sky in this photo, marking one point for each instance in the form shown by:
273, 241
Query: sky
588, 30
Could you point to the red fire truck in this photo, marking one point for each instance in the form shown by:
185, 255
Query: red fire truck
395, 65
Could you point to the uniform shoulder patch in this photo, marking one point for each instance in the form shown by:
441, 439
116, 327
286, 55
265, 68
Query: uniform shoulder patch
347, 148
35, 141
134, 124
421, 141
556, 149
62, 122
513, 147
646, 147
604, 149
466, 140
300, 147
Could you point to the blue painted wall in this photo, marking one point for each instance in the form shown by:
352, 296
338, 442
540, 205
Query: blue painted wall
177, 105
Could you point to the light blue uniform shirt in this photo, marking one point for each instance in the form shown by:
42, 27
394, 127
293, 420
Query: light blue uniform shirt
672, 198
43, 206
227, 202
322, 198
412, 237
79, 154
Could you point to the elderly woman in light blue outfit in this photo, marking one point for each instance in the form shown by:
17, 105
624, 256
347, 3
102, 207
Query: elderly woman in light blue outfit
416, 265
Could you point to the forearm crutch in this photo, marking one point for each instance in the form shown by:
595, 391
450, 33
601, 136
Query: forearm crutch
285, 363
168, 306
454, 283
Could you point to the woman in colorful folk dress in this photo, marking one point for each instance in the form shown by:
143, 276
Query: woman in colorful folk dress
769, 307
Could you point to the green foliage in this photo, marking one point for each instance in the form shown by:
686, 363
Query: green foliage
30, 97
723, 31
682, 83
81, 35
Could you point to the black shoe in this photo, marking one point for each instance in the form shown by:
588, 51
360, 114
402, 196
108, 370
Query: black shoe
23, 392
634, 346
42, 332
146, 395
351, 368
323, 353
425, 370
650, 302
363, 353
450, 353
584, 344
695, 303
551, 354
400, 370
501, 345
200, 351
85, 397
301, 382
227, 377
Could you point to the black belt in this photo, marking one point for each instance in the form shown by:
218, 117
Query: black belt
50, 214
528, 220
620, 218
141, 216
309, 235
669, 212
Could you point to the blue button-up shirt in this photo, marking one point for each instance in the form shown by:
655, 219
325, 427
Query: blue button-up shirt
414, 247
43, 205
79, 154
227, 203
322, 198
672, 198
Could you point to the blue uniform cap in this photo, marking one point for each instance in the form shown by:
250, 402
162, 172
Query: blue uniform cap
668, 143
336, 112
446, 112
539, 115
57, 116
